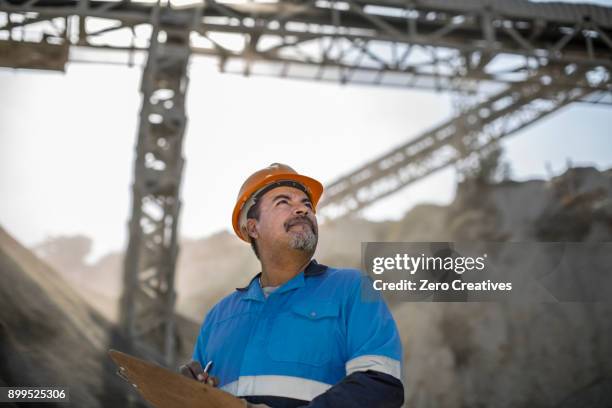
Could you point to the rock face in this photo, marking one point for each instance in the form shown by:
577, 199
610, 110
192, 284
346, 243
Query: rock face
504, 355
460, 354
512, 355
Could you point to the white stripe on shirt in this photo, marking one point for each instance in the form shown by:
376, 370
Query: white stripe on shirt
276, 385
377, 363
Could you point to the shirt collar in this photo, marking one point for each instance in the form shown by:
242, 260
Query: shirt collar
254, 292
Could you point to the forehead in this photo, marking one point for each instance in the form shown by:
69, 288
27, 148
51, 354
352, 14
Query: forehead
292, 192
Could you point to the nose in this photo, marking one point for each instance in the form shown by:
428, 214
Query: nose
301, 209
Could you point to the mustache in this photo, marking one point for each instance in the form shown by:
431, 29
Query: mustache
300, 220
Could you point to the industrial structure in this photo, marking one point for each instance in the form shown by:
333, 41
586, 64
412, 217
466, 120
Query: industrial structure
519, 61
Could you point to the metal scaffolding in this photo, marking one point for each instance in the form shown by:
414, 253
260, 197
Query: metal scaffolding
523, 61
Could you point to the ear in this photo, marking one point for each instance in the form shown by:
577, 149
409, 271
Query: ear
251, 228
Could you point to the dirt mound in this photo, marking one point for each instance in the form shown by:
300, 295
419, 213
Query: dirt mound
49, 335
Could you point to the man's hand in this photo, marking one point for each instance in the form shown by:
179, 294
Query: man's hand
194, 370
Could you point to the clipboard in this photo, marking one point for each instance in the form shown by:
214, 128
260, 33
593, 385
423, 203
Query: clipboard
163, 388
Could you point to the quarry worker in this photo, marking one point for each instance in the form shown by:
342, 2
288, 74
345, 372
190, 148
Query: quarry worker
300, 333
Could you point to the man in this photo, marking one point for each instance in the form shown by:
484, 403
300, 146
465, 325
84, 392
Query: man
300, 333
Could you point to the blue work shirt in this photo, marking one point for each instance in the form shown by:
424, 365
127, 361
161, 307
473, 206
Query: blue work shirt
306, 336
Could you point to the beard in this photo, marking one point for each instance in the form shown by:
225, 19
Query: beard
305, 239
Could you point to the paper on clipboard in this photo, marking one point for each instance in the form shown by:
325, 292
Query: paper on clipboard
163, 388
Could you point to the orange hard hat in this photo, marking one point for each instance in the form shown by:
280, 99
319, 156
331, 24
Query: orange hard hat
276, 173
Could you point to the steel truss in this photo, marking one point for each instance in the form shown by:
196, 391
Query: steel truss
431, 44
461, 138
542, 56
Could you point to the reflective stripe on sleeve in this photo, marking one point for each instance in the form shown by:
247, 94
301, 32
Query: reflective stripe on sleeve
373, 362
277, 386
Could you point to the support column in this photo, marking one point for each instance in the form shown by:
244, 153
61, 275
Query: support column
147, 303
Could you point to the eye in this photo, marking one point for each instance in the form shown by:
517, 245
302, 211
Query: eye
308, 204
281, 201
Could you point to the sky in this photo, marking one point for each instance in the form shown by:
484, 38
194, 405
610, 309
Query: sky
67, 145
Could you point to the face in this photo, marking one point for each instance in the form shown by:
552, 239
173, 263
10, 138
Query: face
286, 220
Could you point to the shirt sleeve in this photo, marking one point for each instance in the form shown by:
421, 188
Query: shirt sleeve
362, 389
374, 350
373, 341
